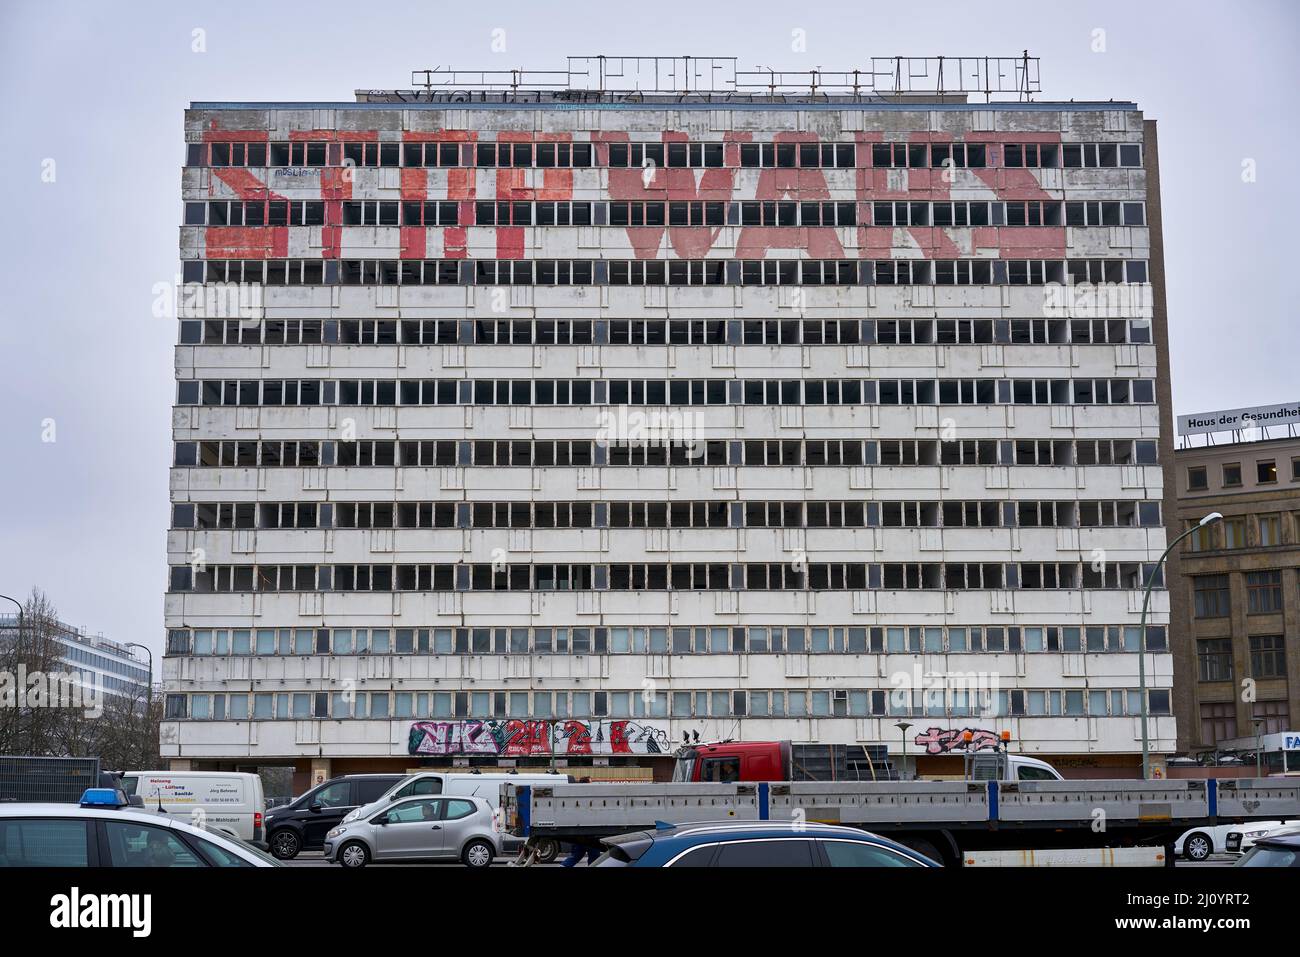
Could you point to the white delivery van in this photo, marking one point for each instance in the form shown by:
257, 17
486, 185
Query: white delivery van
229, 802
486, 786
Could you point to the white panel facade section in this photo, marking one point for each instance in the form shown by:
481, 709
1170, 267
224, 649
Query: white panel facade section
307, 627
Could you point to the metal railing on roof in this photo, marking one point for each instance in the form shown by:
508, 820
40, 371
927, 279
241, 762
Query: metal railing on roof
718, 79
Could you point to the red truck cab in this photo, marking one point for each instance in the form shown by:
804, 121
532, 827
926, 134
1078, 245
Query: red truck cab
727, 761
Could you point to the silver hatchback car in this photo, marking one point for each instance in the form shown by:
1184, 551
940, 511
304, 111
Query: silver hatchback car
448, 828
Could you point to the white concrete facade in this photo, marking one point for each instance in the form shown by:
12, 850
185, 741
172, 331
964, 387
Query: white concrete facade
1053, 696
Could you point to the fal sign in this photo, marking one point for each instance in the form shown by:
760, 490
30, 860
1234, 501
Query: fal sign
1233, 420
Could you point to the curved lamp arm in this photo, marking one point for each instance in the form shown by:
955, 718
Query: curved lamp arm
1142, 647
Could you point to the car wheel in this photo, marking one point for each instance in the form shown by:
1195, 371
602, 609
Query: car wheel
354, 855
477, 854
547, 851
285, 845
1198, 846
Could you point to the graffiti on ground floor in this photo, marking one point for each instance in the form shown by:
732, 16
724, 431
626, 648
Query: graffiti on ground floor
940, 741
523, 737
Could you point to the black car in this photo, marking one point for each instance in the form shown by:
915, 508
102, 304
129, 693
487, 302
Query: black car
303, 824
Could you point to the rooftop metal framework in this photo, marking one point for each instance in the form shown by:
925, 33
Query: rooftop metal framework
719, 79
1239, 436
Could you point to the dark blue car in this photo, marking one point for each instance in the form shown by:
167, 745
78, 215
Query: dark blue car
756, 844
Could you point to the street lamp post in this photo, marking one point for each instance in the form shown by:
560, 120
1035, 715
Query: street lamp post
1259, 771
1142, 647
18, 660
149, 688
148, 714
902, 727
19, 606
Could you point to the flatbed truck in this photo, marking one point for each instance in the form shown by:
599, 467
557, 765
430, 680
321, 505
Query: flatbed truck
944, 820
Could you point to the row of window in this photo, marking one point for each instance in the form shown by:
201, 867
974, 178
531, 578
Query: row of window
748, 576
662, 331
674, 640
1233, 533
114, 685
1013, 331
67, 657
68, 650
543, 453
1219, 723
558, 705
659, 272
1009, 213
1266, 473
784, 213
712, 514
1212, 594
672, 155
74, 653
1215, 659
675, 392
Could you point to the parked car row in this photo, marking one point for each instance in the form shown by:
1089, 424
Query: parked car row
428, 816
1200, 843
302, 824
362, 818
202, 819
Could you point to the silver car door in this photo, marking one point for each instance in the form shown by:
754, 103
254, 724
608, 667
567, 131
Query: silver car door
413, 831
462, 819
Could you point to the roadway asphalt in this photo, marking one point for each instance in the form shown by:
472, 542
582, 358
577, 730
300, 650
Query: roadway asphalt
315, 859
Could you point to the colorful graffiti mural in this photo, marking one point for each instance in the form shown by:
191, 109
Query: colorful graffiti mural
941, 741
524, 737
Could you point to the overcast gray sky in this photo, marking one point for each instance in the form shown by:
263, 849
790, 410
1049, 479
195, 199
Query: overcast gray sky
99, 88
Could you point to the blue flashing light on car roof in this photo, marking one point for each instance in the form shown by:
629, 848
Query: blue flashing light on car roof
103, 797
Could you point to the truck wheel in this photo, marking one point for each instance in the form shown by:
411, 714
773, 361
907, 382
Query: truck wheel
547, 851
285, 844
1198, 846
477, 855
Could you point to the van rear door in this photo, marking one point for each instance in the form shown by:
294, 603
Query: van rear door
259, 806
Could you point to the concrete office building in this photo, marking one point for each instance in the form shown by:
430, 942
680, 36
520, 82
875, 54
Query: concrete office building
1237, 592
96, 662
557, 425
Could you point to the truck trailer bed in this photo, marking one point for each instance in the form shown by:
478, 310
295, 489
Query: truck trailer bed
956, 815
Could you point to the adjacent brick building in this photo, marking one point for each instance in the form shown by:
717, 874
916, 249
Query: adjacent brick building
1237, 597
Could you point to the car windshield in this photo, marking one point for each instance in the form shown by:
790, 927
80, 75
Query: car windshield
250, 849
414, 786
1265, 855
683, 769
